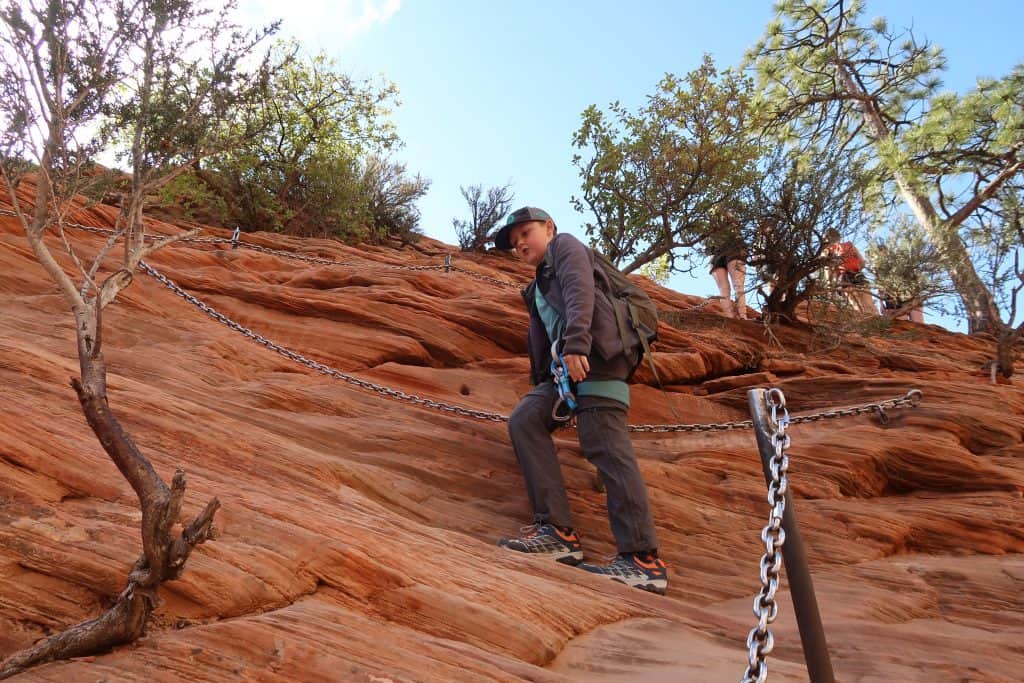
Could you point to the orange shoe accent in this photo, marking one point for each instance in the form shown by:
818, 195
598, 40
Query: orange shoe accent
572, 538
656, 564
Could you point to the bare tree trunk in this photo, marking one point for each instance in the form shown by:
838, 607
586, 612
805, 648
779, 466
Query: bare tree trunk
163, 557
1006, 351
983, 314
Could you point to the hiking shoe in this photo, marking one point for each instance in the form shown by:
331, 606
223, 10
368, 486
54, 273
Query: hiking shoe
649, 575
546, 540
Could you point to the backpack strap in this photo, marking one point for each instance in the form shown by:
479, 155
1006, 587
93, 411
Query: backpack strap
650, 360
625, 325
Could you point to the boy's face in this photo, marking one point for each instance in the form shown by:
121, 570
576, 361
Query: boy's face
530, 240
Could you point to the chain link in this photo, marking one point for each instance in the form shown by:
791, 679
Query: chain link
704, 304
267, 250
485, 278
235, 243
760, 641
911, 399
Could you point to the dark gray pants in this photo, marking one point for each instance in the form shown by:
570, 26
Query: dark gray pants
604, 439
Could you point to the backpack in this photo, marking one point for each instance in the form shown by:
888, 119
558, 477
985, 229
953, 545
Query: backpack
635, 313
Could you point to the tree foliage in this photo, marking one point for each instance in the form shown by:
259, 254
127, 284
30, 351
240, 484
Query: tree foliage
486, 209
995, 237
827, 74
657, 271
651, 178
303, 173
801, 194
906, 265
389, 196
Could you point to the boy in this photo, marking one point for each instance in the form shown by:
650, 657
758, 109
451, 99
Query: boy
567, 308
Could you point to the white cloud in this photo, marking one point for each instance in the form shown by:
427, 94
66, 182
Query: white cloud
326, 24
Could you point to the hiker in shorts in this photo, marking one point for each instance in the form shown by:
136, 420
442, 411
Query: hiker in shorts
725, 248
891, 306
846, 271
568, 310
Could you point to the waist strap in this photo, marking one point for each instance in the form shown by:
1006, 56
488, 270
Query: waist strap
607, 388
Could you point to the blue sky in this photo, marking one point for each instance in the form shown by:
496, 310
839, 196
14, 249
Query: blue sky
492, 92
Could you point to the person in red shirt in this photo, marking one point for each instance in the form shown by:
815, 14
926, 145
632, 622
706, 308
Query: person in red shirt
846, 271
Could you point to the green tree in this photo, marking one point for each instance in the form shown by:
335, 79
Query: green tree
825, 74
656, 271
906, 265
390, 195
301, 173
800, 194
167, 80
995, 236
651, 179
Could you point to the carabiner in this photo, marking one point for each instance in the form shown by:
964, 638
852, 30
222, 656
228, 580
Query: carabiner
556, 409
566, 397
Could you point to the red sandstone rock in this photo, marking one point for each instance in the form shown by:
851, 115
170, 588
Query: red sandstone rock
356, 538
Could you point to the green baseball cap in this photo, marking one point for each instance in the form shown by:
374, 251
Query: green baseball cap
523, 215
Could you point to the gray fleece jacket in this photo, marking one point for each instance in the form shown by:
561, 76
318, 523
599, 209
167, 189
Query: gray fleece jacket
566, 280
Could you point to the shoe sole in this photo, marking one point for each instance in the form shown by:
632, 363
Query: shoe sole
571, 558
658, 587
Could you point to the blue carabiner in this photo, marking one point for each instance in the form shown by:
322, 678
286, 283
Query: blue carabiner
565, 395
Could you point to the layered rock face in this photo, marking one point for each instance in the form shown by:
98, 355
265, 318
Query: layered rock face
356, 541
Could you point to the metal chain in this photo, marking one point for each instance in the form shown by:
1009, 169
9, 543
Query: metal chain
760, 641
485, 278
320, 367
912, 398
236, 242
280, 252
704, 304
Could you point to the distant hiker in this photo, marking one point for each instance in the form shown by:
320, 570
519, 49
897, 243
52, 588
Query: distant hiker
846, 270
897, 303
896, 308
724, 246
572, 318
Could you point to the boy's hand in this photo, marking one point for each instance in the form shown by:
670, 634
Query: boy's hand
577, 365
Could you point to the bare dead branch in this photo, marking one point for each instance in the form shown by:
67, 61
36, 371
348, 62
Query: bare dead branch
160, 244
97, 262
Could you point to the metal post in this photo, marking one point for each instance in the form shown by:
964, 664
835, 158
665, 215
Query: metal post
801, 589
235, 236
